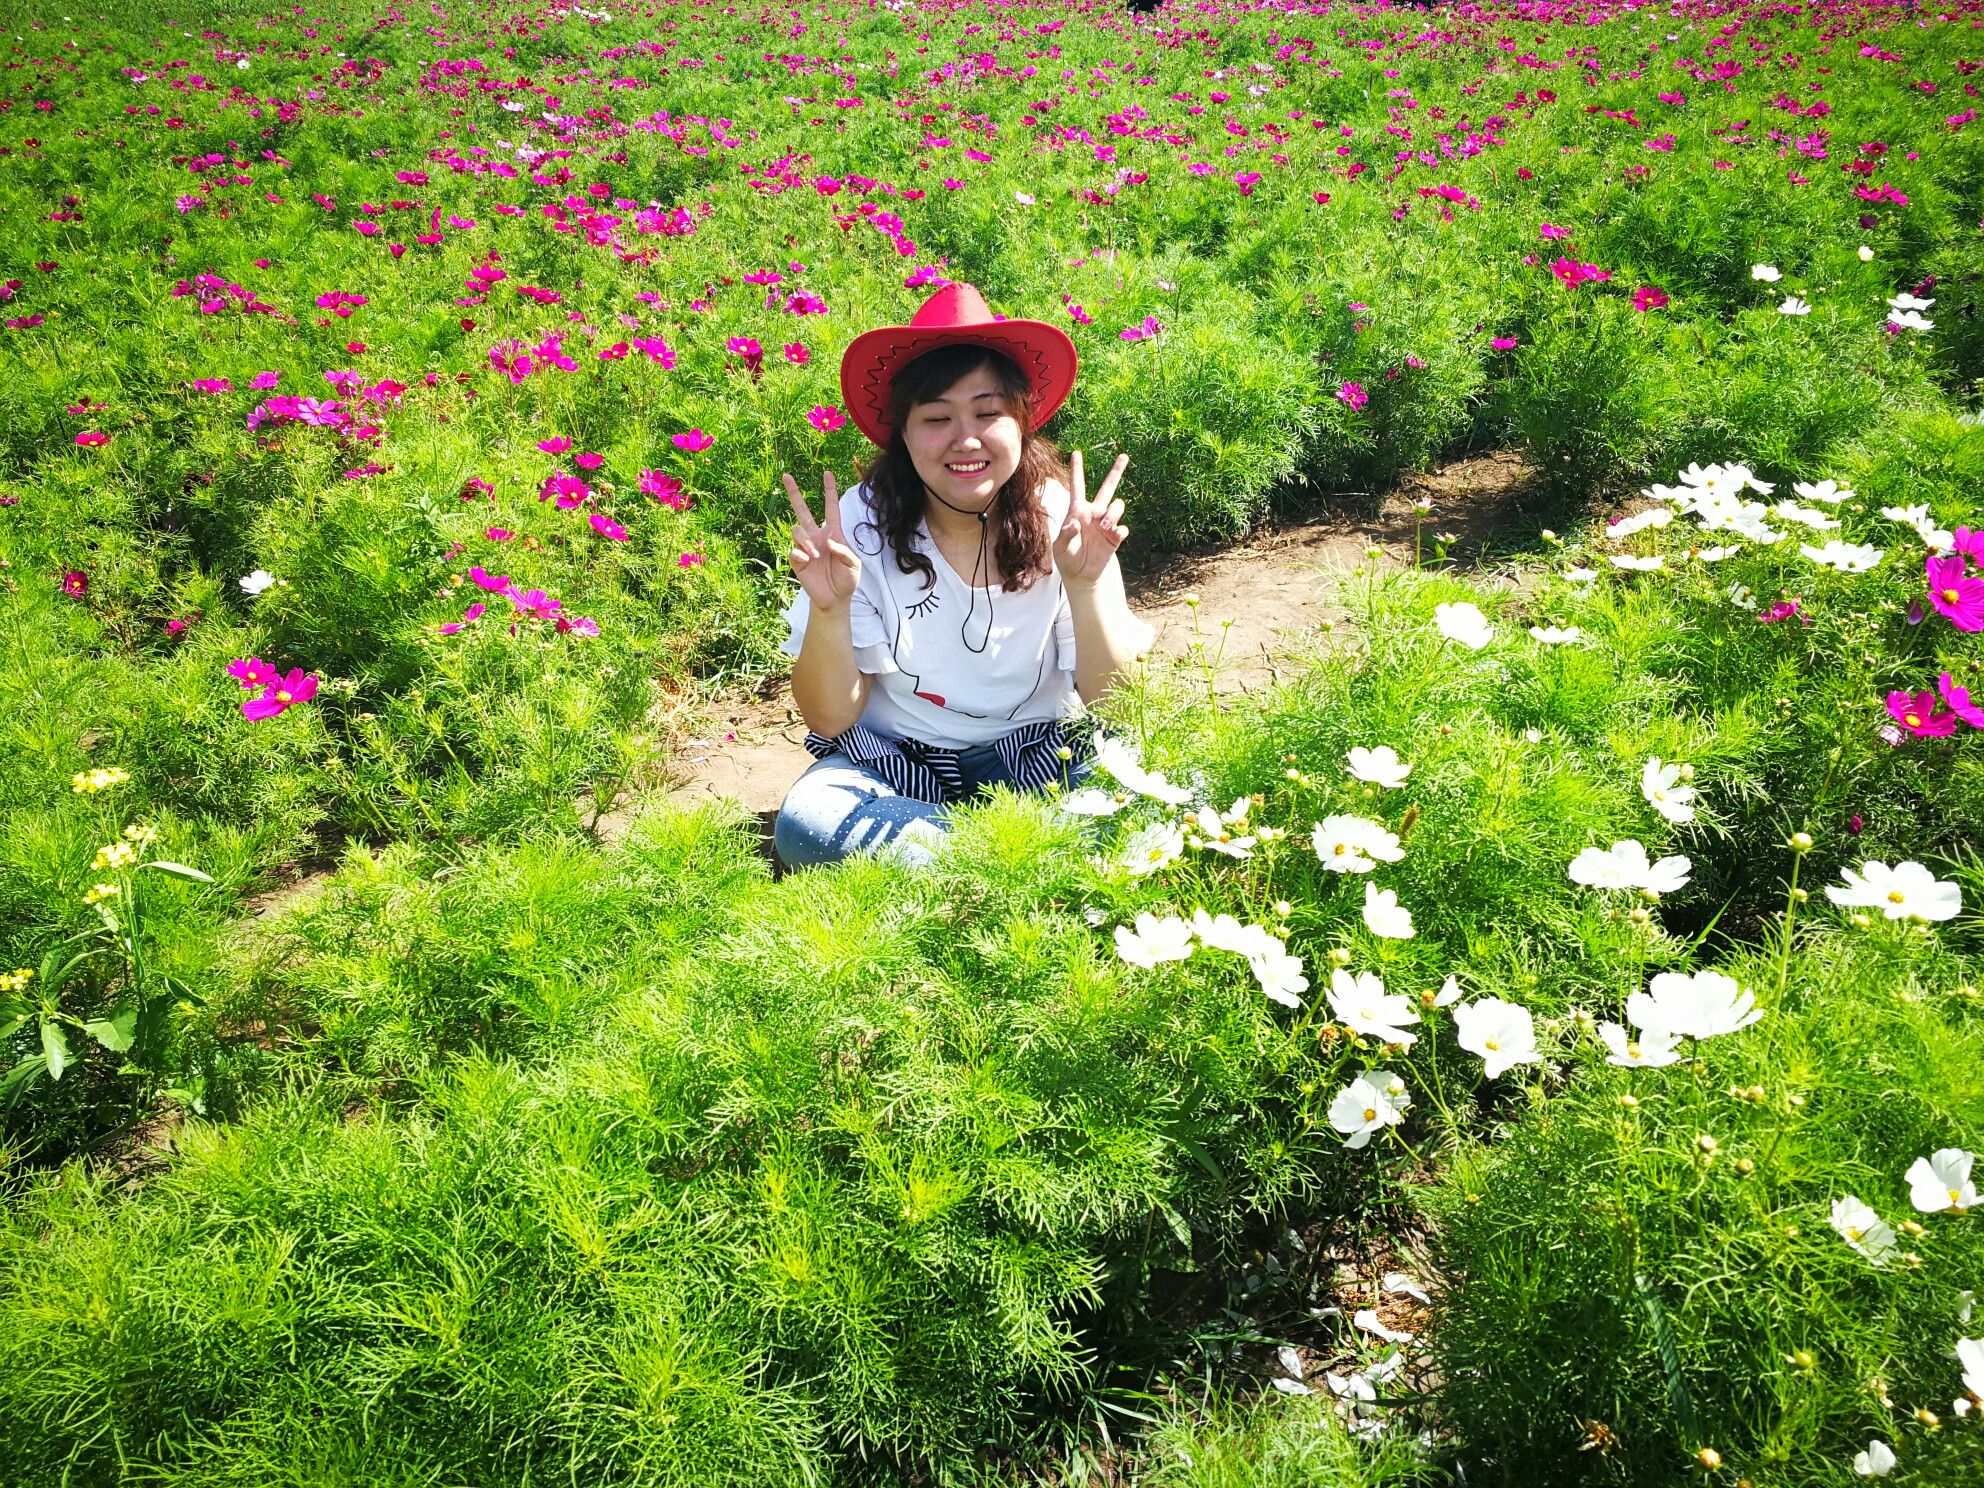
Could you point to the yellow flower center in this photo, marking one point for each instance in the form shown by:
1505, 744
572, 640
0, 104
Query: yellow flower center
282, 696
1854, 1232
1340, 849
1370, 1113
1913, 720
1491, 1046
1951, 595
1895, 896
1955, 1198
1632, 1051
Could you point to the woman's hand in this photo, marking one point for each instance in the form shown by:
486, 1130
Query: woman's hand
1091, 535
827, 567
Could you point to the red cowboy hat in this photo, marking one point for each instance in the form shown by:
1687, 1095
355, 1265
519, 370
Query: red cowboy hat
954, 315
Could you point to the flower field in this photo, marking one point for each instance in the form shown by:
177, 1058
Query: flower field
1537, 1042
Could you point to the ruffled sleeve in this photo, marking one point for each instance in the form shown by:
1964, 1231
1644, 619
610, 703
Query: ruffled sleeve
871, 641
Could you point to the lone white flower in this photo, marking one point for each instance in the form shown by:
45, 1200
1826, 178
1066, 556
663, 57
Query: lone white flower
1502, 1033
1852, 558
1383, 916
1863, 1229
1154, 940
1624, 865
1156, 846
1119, 759
1374, 1100
1941, 1183
1907, 891
1354, 844
1664, 792
1651, 1050
1553, 635
1766, 272
257, 581
1699, 1005
1876, 1462
1794, 306
1380, 766
1648, 564
1362, 1005
1464, 624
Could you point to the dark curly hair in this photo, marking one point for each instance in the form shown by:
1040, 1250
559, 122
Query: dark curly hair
1021, 543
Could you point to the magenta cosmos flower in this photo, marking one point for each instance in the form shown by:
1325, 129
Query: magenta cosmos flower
1574, 273
826, 417
469, 616
665, 489
1957, 596
1917, 713
1647, 297
90, 439
695, 441
1959, 700
1353, 393
251, 672
75, 583
282, 693
607, 528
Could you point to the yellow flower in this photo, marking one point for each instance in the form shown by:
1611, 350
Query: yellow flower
116, 855
13, 981
99, 892
89, 782
139, 835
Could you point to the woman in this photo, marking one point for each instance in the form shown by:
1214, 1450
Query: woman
965, 600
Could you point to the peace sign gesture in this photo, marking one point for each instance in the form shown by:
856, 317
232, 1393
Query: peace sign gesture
1091, 535
827, 567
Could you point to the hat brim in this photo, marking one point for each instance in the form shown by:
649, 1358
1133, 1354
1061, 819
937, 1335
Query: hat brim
1045, 353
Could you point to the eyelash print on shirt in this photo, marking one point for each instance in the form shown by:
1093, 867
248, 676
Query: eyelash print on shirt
924, 606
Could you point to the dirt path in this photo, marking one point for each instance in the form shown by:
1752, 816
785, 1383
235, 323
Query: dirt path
1276, 587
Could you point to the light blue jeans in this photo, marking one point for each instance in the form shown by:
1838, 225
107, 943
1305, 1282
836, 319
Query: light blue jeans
839, 808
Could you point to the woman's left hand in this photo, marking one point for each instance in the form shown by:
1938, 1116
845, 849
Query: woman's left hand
1088, 540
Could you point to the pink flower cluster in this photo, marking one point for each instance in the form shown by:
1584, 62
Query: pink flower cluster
1956, 593
274, 690
525, 604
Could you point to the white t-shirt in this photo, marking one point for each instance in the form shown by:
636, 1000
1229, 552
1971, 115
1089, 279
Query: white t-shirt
954, 665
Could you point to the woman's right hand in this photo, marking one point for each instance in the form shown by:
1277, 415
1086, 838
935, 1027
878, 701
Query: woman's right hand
827, 567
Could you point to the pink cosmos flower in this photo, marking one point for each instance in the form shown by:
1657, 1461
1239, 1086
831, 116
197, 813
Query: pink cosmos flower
556, 445
498, 534
1959, 701
211, 385
580, 625
1958, 597
251, 672
607, 528
1970, 543
1574, 273
469, 616
695, 441
569, 489
75, 583
90, 439
797, 354
1552, 231
826, 417
665, 489
483, 579
1784, 609
1647, 297
1917, 713
1353, 393
1147, 331
533, 604
588, 461
689, 560
282, 693
1504, 343
265, 380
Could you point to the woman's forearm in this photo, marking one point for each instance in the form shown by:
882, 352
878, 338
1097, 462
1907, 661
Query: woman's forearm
1107, 636
829, 689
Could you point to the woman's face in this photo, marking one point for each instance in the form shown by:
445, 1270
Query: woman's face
968, 426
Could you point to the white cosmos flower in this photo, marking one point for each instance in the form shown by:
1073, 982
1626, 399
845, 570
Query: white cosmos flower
1117, 757
1224, 832
1624, 865
1766, 272
1830, 492
1876, 1462
1551, 635
1380, 766
257, 581
1863, 1229
1353, 844
1502, 1033
1091, 801
1579, 574
1383, 916
1852, 558
1703, 1004
1374, 1100
1907, 301
1941, 1184
1651, 1050
1664, 792
1818, 521
1741, 595
1362, 1005
1449, 993
1907, 891
1464, 624
1653, 516
1280, 976
1023, 199
1866, 253
1794, 306
1367, 1319
1638, 564
1909, 320
1154, 940
1970, 1357
1277, 970
1716, 554
1156, 846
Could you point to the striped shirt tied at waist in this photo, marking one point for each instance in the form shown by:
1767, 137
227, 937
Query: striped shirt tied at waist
930, 773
